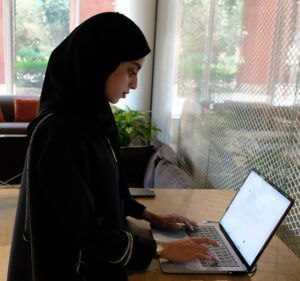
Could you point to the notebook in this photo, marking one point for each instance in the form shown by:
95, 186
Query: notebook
141, 192
244, 231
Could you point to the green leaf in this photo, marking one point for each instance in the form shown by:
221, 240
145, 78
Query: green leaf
134, 124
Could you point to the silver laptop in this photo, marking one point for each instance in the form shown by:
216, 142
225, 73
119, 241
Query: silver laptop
244, 231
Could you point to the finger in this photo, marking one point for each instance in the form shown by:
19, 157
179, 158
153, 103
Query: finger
187, 224
210, 257
174, 222
210, 253
204, 250
214, 243
172, 218
214, 258
193, 223
175, 226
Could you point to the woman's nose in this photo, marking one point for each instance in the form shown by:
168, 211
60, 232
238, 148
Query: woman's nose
134, 82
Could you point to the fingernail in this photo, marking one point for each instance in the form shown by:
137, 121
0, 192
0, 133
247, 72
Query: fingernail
180, 225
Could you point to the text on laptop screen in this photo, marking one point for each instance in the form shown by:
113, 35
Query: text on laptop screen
253, 215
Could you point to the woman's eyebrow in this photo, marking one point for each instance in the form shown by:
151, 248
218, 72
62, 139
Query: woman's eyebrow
137, 65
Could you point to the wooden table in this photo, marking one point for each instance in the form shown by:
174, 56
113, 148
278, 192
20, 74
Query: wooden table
277, 262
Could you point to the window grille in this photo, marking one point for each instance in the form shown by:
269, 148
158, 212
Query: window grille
243, 111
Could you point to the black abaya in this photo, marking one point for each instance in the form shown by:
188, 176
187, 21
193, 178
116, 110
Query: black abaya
77, 196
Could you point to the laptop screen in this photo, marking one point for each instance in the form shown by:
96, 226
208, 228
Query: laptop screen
253, 215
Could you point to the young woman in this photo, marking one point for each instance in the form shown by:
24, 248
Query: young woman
73, 197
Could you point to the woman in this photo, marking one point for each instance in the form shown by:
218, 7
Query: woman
73, 196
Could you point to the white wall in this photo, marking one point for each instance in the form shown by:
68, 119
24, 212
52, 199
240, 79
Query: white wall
142, 12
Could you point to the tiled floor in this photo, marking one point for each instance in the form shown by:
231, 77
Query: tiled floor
8, 204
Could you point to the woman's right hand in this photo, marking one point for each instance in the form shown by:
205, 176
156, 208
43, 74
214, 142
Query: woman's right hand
189, 249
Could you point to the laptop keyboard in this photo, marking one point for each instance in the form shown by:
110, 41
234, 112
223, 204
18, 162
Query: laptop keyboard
223, 253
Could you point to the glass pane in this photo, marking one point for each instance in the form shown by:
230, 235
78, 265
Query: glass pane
235, 93
191, 79
39, 27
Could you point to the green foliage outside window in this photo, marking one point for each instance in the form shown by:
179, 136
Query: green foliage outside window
30, 74
39, 27
194, 37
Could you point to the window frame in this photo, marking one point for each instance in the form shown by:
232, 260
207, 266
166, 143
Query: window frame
8, 46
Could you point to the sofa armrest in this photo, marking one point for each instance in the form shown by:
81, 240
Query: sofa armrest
164, 169
13, 128
12, 151
168, 175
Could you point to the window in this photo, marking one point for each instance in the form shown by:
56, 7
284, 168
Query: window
226, 92
30, 30
37, 31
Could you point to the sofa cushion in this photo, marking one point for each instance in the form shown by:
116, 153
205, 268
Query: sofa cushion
26, 109
1, 115
135, 159
152, 163
19, 128
169, 175
7, 105
162, 151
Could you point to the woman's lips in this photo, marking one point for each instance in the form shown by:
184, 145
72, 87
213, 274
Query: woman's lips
124, 95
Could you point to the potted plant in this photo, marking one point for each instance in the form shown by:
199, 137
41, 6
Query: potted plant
136, 131
135, 127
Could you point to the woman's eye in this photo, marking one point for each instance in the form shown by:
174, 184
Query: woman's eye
132, 72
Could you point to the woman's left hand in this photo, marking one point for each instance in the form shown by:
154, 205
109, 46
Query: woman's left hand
171, 221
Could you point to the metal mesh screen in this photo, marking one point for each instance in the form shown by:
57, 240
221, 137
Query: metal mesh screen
246, 113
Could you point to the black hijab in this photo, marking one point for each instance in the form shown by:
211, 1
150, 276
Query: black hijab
79, 67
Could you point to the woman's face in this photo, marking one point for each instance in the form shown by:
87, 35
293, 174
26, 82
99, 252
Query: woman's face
124, 78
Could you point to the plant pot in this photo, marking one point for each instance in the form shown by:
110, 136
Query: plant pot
135, 160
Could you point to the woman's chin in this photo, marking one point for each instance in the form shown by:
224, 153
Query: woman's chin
114, 101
